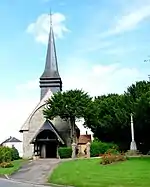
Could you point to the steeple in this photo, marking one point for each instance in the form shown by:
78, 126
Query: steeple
50, 78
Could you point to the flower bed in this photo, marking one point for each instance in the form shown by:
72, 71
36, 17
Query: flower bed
109, 158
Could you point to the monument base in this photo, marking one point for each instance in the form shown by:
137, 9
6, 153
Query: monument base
133, 153
133, 146
133, 150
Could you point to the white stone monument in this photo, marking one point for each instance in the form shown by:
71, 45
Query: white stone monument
133, 146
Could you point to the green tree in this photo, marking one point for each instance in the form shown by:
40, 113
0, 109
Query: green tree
134, 92
109, 111
111, 117
138, 95
69, 105
142, 121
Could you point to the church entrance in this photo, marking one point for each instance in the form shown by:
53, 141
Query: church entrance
46, 144
48, 150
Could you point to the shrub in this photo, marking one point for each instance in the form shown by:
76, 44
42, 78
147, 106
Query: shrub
5, 154
99, 148
65, 152
112, 151
6, 165
15, 154
109, 158
8, 154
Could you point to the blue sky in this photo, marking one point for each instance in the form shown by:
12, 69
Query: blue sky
101, 47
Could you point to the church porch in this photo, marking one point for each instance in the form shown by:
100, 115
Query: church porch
47, 141
46, 148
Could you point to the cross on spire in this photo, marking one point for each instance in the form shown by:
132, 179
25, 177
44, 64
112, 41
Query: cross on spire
50, 14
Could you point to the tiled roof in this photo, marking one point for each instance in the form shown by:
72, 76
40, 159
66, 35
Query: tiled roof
84, 139
11, 139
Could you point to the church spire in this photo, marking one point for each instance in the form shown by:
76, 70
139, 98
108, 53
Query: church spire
50, 78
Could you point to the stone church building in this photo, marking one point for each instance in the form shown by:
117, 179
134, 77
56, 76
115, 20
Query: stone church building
40, 136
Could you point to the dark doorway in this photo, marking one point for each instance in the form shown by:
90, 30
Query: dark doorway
51, 149
47, 144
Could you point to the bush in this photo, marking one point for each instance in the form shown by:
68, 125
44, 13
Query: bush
110, 158
112, 151
6, 165
5, 154
99, 148
8, 154
65, 152
15, 154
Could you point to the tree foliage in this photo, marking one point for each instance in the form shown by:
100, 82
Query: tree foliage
111, 121
108, 116
68, 105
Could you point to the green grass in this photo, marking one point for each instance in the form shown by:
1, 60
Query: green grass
89, 173
8, 171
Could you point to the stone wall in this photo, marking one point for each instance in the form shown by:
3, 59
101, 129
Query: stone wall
34, 124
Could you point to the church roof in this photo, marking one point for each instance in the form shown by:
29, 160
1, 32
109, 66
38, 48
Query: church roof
50, 77
10, 139
49, 126
51, 65
25, 126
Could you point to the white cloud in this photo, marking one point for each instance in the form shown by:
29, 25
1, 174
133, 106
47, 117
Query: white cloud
30, 85
97, 80
94, 46
130, 20
101, 79
40, 28
119, 51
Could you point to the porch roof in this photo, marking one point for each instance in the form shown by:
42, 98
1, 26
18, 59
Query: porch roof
48, 126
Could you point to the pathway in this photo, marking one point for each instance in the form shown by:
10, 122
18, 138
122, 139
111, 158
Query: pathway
36, 172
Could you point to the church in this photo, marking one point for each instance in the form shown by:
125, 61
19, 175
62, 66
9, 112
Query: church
42, 137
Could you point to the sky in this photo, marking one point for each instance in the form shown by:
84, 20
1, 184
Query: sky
101, 48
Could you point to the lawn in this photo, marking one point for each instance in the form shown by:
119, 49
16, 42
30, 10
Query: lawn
9, 171
89, 173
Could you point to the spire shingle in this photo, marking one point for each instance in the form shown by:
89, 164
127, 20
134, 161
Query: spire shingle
50, 77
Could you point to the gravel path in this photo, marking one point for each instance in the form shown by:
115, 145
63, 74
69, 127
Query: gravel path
36, 172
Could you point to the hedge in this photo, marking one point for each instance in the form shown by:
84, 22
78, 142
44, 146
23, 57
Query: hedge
65, 152
98, 148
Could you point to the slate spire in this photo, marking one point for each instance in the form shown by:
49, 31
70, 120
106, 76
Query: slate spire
50, 78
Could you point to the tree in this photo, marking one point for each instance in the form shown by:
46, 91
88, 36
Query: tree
68, 105
111, 119
138, 95
134, 92
142, 122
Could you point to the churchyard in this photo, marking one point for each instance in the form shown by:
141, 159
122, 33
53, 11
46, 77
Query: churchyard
134, 172
112, 168
107, 167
